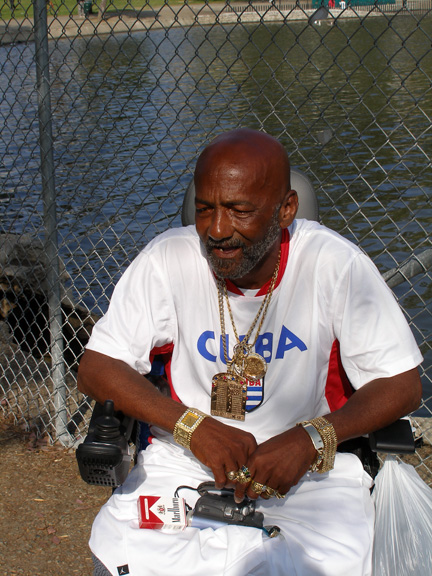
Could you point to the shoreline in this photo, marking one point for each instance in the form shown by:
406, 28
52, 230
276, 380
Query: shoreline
21, 31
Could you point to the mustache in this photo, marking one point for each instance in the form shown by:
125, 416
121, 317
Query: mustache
210, 243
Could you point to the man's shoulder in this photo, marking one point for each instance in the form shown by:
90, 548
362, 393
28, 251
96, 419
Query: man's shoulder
306, 232
176, 233
172, 248
319, 252
174, 239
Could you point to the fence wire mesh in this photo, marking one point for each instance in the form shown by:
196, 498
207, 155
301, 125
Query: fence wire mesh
135, 91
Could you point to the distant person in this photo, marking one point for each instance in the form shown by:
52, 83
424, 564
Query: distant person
80, 6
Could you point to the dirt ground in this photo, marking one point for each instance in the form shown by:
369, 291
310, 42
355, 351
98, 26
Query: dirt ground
46, 510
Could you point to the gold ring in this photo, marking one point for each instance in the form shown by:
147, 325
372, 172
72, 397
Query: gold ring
242, 478
231, 475
245, 471
272, 493
257, 487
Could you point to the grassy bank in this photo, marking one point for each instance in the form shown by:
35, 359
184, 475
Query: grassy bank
24, 8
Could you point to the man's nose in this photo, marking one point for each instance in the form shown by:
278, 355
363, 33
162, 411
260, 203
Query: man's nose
220, 225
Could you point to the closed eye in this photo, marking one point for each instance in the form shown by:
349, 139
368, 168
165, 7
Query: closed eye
202, 209
242, 211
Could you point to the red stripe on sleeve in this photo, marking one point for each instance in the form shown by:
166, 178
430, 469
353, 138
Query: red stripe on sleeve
338, 388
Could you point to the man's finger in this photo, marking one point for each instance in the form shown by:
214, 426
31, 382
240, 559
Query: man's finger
220, 478
239, 493
226, 476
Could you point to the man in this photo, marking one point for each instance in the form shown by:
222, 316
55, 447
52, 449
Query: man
258, 313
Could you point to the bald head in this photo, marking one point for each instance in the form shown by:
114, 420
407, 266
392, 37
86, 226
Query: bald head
248, 154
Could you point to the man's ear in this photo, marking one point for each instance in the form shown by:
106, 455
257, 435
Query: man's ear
288, 209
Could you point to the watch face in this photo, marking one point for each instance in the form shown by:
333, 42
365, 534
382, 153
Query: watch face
190, 419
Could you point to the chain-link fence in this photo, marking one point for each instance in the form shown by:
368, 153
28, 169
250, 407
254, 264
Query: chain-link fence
104, 110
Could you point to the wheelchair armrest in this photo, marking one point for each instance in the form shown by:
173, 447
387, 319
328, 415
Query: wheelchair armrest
397, 438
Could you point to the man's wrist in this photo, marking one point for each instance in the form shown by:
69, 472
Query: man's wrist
186, 426
323, 437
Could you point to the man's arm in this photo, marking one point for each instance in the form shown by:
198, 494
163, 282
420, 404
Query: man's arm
283, 460
103, 377
219, 446
377, 404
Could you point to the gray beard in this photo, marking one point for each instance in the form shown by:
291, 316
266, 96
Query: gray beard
252, 255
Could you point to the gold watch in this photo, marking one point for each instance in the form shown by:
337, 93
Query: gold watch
186, 426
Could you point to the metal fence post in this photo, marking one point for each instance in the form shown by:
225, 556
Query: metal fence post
50, 219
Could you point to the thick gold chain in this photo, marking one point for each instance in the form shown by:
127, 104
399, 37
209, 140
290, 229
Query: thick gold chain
222, 291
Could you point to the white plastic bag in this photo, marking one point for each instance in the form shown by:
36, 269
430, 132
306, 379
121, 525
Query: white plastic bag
403, 524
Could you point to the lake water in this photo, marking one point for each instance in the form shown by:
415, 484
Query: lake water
351, 103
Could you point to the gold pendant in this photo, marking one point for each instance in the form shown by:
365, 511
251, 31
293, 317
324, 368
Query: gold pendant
248, 364
254, 367
228, 396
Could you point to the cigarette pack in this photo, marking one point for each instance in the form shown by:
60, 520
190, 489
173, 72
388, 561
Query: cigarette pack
161, 512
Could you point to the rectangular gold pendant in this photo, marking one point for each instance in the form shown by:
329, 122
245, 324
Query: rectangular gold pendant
228, 396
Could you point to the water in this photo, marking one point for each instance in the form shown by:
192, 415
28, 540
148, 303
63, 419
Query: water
351, 103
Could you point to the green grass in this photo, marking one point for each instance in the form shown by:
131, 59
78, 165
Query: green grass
24, 8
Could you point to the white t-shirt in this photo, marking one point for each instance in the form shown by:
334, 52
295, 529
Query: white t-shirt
330, 292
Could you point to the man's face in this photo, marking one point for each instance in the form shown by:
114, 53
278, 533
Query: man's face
249, 256
237, 223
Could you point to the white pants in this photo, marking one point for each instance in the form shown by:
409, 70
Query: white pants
326, 524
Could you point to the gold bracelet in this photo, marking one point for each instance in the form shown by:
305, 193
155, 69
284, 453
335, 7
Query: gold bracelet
186, 426
324, 462
318, 443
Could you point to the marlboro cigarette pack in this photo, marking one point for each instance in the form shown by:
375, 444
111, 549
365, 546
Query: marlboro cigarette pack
161, 512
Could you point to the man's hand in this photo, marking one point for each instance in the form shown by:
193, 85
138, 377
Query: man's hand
222, 448
279, 463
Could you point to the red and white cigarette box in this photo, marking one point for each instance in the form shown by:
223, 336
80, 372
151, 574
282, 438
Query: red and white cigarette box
161, 512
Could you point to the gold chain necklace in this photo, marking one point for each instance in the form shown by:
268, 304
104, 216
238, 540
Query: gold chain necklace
245, 363
229, 389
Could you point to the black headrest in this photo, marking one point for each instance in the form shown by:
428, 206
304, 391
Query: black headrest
308, 202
